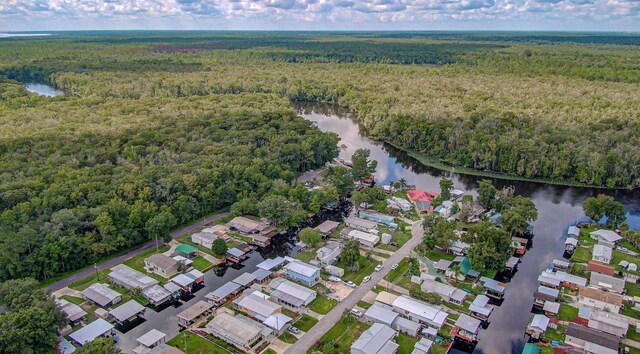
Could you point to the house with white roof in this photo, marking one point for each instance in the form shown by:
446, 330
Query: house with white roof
609, 322
256, 306
602, 253
128, 311
328, 254
420, 312
303, 273
537, 326
73, 312
204, 239
101, 295
239, 330
466, 328
365, 238
290, 294
607, 283
480, 308
95, 329
606, 237
130, 278
378, 339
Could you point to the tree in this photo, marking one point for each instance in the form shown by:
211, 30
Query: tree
339, 178
446, 185
490, 246
513, 221
367, 196
276, 209
402, 182
99, 346
416, 292
310, 236
160, 225
246, 206
32, 319
596, 207
487, 193
219, 247
466, 207
350, 253
361, 165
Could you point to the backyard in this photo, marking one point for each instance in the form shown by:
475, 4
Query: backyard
394, 274
193, 343
322, 305
343, 334
305, 323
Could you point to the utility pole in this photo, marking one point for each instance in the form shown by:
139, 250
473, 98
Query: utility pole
156, 243
95, 266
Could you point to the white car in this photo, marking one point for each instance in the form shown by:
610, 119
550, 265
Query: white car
394, 266
350, 283
378, 267
334, 278
294, 330
356, 312
366, 279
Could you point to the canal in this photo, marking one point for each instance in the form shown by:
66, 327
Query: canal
43, 90
558, 208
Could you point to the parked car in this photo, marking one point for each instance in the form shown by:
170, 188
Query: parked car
394, 266
366, 279
378, 267
334, 278
293, 330
356, 312
350, 283
393, 244
622, 249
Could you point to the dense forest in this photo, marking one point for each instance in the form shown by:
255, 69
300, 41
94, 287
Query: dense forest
159, 127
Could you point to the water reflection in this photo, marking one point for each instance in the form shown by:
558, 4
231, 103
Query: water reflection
43, 90
558, 208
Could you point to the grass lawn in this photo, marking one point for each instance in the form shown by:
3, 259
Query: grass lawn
436, 256
269, 351
73, 299
394, 274
201, 264
619, 256
567, 312
377, 289
582, 255
305, 323
194, 344
322, 305
137, 262
406, 343
631, 334
343, 334
306, 256
366, 268
92, 279
629, 311
288, 338
363, 304
554, 334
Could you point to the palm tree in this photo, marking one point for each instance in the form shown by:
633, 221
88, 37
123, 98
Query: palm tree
403, 183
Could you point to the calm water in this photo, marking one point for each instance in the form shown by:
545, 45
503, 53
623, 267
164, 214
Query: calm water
43, 90
558, 208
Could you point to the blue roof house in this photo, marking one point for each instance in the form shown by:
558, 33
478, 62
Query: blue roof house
495, 218
303, 273
376, 216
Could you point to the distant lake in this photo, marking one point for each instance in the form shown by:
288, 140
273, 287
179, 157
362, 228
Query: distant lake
7, 35
43, 90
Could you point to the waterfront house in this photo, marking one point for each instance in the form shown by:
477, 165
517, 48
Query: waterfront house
224, 293
551, 309
101, 295
328, 255
466, 328
327, 227
273, 264
130, 278
494, 288
156, 295
191, 315
303, 273
480, 308
95, 329
566, 279
602, 253
161, 264
570, 245
545, 294
151, 339
459, 248
127, 312
235, 255
399, 203
365, 238
187, 251
247, 227
261, 275
559, 264
537, 326
74, 313
204, 239
591, 340
595, 266
418, 195
290, 294
245, 279
357, 223
606, 237
188, 282
598, 299
573, 231
496, 218
609, 323
423, 206
607, 283
378, 339
550, 282
447, 292
420, 312
239, 330
377, 217
512, 263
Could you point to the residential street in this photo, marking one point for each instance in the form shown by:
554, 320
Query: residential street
119, 259
330, 319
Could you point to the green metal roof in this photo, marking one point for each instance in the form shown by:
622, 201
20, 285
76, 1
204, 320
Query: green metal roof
531, 348
186, 249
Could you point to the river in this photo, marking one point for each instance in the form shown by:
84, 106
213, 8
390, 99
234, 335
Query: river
558, 208
43, 90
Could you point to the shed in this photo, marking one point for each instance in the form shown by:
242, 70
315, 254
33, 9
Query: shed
187, 250
633, 267
337, 271
423, 346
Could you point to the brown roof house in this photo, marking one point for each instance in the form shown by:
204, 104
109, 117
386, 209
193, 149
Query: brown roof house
599, 299
161, 264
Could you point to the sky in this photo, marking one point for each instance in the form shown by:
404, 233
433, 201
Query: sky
542, 15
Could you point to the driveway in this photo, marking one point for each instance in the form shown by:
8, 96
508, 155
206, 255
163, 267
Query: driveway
121, 258
330, 319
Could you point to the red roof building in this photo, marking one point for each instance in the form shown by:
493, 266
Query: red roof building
598, 267
418, 195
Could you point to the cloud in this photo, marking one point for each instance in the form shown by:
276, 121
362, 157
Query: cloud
321, 14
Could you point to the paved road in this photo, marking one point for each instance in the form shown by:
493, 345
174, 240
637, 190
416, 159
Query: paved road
329, 320
119, 259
